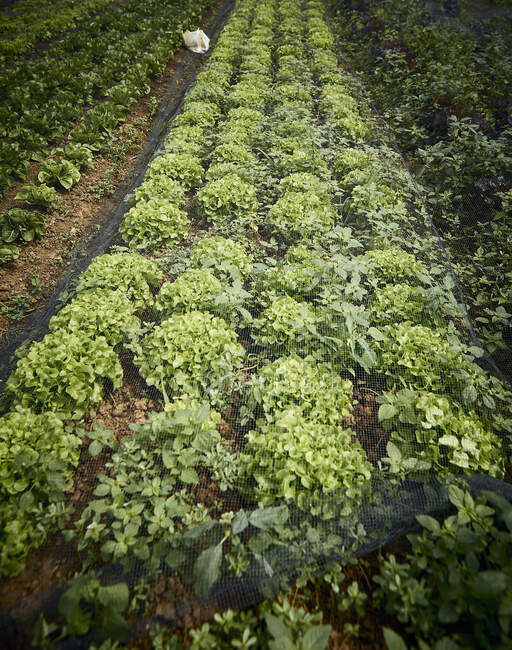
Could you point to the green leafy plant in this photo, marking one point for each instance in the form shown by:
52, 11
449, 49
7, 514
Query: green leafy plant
193, 353
154, 223
305, 182
183, 139
393, 265
203, 114
394, 303
162, 187
42, 195
131, 273
8, 253
442, 435
86, 605
64, 173
25, 523
38, 455
225, 258
193, 290
296, 458
78, 155
286, 324
285, 628
64, 373
18, 224
455, 582
228, 202
300, 216
185, 168
161, 458
105, 312
429, 359
305, 385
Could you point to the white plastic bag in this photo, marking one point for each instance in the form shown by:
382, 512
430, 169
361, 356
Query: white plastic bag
196, 41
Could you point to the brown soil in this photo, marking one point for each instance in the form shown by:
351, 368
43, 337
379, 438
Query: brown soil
365, 422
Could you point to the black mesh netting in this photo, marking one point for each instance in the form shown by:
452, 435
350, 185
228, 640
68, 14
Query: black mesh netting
266, 367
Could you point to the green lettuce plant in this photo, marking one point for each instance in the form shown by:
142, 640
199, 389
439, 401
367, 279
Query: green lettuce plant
185, 168
8, 253
154, 223
394, 265
162, 187
196, 289
295, 457
394, 303
228, 202
305, 182
131, 273
64, 373
105, 312
300, 216
203, 114
302, 384
286, 325
42, 195
78, 155
18, 224
64, 173
38, 454
194, 353
184, 139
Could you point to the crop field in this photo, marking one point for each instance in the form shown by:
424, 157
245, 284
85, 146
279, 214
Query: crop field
256, 316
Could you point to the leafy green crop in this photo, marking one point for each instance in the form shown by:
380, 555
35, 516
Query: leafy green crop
305, 182
225, 258
21, 224
8, 253
394, 265
442, 435
286, 325
87, 604
295, 455
300, 216
154, 223
348, 159
183, 139
105, 312
428, 359
286, 627
196, 289
131, 273
394, 303
228, 202
203, 114
454, 585
191, 353
185, 168
37, 453
64, 173
64, 373
42, 195
78, 155
307, 386
161, 187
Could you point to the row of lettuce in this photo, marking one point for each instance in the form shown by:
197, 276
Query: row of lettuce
453, 121
318, 279
26, 24
62, 108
